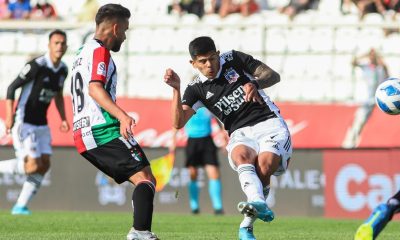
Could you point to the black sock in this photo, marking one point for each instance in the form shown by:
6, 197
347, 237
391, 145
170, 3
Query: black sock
142, 199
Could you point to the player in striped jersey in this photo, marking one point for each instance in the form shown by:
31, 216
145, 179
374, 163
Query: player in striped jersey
41, 80
229, 85
102, 130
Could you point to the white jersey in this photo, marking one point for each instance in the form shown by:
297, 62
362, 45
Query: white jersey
92, 126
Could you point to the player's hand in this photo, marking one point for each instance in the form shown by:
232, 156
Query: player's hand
252, 94
9, 124
172, 79
127, 125
64, 127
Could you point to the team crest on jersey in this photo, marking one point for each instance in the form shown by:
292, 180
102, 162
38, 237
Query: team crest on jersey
101, 69
227, 56
231, 75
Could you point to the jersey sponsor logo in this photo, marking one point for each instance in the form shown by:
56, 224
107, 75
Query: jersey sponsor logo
231, 75
232, 102
101, 69
81, 123
209, 95
25, 71
46, 95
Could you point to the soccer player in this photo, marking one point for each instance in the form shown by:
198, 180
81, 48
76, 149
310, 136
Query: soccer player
378, 219
42, 79
102, 130
229, 85
201, 151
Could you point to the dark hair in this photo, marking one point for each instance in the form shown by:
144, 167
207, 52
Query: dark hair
59, 32
110, 11
200, 46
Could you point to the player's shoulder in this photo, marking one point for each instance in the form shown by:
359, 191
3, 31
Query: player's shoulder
38, 60
195, 81
227, 56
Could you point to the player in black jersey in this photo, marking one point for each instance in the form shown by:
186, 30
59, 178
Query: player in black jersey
41, 80
230, 86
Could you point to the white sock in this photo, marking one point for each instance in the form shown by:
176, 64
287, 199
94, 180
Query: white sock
12, 166
29, 189
250, 183
248, 221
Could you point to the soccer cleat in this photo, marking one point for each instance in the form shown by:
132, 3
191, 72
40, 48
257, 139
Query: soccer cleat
378, 219
256, 209
219, 211
18, 210
246, 233
134, 234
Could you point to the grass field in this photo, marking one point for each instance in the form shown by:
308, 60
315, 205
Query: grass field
103, 225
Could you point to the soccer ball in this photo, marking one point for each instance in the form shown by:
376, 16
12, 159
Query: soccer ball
387, 96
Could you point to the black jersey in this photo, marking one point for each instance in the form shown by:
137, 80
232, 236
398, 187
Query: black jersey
40, 82
224, 95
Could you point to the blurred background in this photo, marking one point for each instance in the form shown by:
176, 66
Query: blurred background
331, 55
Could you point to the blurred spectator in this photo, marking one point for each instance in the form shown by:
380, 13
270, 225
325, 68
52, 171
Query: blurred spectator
43, 11
212, 6
187, 6
296, 6
19, 9
4, 13
89, 10
244, 7
374, 71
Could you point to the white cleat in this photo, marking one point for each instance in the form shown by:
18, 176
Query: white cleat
134, 234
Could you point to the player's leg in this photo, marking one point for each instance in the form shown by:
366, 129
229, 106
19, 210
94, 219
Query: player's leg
193, 160
214, 188
194, 190
378, 219
37, 149
35, 169
243, 157
15, 165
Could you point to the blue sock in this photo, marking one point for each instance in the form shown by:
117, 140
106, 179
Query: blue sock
215, 191
193, 195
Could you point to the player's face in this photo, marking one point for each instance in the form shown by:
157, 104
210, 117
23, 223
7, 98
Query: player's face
120, 29
207, 64
57, 46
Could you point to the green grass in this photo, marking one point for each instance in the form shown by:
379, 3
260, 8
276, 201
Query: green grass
103, 225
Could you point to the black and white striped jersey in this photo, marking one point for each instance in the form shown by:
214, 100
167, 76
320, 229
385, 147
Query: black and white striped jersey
224, 95
40, 82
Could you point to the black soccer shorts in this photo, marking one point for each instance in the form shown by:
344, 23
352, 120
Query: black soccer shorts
200, 152
119, 159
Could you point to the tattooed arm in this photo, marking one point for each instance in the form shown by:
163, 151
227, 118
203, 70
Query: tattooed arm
265, 76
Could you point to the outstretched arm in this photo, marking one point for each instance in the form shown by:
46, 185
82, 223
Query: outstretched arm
180, 113
59, 101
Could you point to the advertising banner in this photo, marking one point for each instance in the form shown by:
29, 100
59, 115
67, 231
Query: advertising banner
358, 180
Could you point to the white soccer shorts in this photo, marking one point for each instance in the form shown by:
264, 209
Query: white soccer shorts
31, 140
271, 135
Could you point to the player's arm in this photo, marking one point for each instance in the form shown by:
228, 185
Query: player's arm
101, 96
180, 113
59, 101
264, 76
26, 75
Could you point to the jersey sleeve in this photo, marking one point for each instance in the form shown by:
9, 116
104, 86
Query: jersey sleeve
101, 60
27, 74
190, 98
249, 63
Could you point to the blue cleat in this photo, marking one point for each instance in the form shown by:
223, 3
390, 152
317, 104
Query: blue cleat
246, 233
378, 219
18, 210
256, 209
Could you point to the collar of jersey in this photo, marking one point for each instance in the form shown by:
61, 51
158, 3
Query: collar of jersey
49, 63
204, 78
